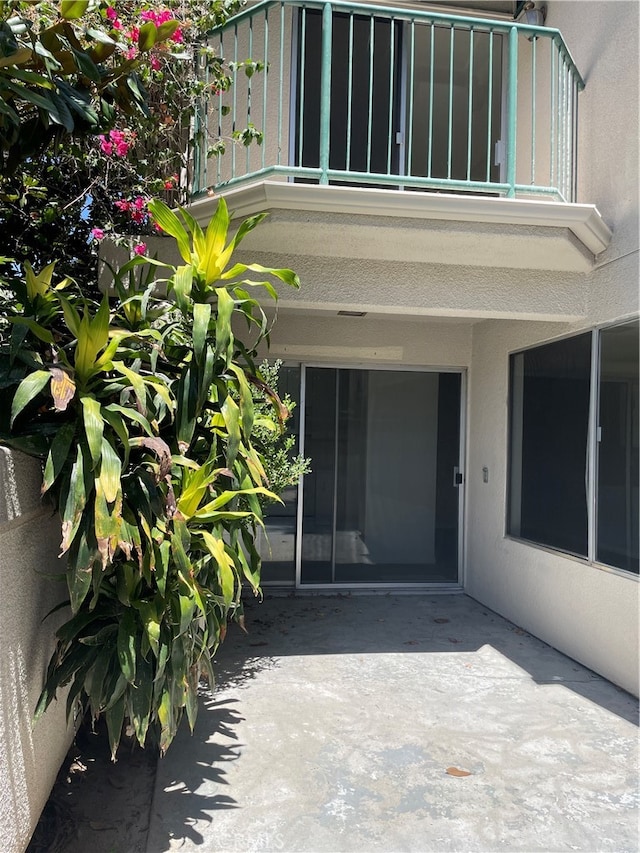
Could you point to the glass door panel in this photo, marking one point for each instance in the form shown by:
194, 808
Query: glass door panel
381, 506
277, 544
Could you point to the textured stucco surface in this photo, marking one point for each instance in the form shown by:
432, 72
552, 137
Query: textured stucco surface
29, 756
604, 45
430, 289
358, 339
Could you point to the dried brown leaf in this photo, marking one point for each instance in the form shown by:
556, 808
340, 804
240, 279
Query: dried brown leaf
63, 388
456, 771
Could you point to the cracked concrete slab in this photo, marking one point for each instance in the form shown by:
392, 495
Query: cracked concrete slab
339, 721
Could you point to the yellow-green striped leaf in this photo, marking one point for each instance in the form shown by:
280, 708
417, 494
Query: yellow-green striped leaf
93, 426
110, 471
166, 219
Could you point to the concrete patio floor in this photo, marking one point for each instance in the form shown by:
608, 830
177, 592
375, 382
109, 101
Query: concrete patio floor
336, 720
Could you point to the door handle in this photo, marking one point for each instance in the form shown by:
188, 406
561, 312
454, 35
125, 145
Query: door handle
457, 476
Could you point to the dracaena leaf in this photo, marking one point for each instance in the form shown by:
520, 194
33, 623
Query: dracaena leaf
27, 390
166, 219
93, 426
58, 455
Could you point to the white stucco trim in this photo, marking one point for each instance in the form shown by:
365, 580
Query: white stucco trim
583, 220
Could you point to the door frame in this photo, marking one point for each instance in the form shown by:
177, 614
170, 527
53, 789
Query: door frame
455, 586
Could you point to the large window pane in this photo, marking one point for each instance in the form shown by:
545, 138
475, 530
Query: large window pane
617, 537
550, 387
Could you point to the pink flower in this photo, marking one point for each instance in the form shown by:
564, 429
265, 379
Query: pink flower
156, 17
123, 206
105, 145
155, 63
140, 248
121, 149
177, 37
131, 53
112, 15
134, 33
97, 233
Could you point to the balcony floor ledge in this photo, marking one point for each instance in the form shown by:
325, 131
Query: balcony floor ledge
377, 224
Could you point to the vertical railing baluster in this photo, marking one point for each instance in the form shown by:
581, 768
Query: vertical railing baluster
489, 107
569, 182
450, 114
412, 60
281, 81
431, 76
265, 74
199, 135
563, 128
574, 196
390, 133
470, 104
249, 80
552, 133
569, 140
301, 82
534, 42
512, 105
220, 105
349, 93
370, 114
325, 91
234, 100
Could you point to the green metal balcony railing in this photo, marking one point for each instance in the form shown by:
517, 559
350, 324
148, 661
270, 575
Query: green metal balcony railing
364, 94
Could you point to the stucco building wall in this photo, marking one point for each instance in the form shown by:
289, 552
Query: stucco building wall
30, 756
586, 611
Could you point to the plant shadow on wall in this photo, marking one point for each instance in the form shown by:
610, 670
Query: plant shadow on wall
147, 411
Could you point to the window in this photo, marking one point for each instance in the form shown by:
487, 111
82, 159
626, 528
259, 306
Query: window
617, 491
407, 98
550, 387
573, 474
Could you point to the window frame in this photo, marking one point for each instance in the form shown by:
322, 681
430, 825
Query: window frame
592, 448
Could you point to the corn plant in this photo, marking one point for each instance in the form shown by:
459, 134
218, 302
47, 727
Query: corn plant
141, 407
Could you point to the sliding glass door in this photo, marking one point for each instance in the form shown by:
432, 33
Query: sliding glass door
381, 505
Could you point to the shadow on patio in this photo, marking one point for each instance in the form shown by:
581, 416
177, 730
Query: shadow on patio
337, 719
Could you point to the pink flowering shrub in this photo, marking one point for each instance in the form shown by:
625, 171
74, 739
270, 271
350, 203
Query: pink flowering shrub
118, 142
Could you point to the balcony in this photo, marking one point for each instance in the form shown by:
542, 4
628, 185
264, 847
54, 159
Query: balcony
471, 121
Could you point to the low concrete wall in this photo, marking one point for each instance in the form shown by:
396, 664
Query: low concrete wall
30, 756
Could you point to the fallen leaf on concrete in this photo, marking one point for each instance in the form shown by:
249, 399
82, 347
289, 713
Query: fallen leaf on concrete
441, 620
453, 640
455, 771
